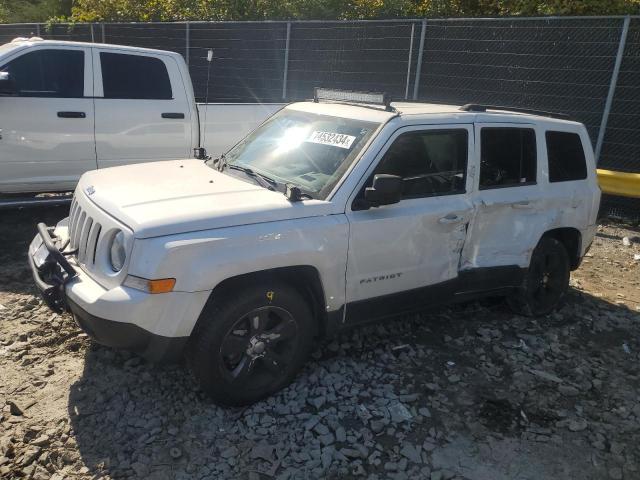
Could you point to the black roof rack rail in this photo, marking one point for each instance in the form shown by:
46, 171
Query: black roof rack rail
477, 107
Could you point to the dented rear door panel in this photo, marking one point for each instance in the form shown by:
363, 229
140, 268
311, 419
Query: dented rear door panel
507, 221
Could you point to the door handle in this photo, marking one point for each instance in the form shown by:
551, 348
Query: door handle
522, 205
72, 115
450, 218
173, 115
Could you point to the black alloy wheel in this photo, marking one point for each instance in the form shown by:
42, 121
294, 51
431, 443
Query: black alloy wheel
546, 281
251, 340
258, 347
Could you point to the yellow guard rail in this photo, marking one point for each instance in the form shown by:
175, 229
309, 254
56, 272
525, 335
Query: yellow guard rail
619, 183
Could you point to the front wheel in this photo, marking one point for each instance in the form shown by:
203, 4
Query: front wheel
251, 343
545, 283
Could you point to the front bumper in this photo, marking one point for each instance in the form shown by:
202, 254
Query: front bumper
53, 270
128, 336
55, 278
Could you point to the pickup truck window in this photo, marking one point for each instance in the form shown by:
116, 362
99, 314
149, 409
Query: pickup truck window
48, 73
430, 162
134, 77
507, 157
566, 157
309, 150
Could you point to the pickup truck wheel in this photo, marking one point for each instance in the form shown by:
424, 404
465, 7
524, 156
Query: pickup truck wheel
546, 281
252, 344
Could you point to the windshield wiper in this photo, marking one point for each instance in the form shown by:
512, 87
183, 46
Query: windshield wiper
292, 192
263, 180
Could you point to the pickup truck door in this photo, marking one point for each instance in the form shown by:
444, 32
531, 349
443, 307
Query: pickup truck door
398, 251
46, 122
143, 112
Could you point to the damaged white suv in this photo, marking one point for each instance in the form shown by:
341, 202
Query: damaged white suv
336, 211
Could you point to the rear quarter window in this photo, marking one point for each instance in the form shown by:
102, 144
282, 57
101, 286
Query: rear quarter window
566, 157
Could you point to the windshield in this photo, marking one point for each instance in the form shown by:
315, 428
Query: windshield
308, 150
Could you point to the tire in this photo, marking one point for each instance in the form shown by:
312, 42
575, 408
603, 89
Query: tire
251, 342
546, 281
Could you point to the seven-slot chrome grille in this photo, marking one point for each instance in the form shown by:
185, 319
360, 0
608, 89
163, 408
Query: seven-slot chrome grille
91, 231
84, 233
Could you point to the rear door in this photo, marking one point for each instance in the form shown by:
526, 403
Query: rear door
47, 138
142, 108
510, 212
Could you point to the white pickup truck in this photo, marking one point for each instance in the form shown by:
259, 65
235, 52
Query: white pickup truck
70, 107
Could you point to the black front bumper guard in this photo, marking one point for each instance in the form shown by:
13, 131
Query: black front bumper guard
54, 273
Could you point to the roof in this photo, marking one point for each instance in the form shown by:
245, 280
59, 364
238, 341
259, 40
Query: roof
419, 108
27, 42
345, 110
415, 111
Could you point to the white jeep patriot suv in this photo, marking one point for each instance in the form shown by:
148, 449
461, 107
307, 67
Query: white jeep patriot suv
341, 210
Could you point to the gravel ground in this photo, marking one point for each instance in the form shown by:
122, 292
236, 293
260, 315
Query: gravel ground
467, 392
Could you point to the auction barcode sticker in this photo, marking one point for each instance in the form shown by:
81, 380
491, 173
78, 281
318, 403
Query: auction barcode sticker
329, 138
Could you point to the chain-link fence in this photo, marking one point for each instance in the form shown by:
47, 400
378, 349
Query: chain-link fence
587, 67
554, 65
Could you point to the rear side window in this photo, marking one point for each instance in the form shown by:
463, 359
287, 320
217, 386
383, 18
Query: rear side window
48, 73
507, 157
566, 157
432, 162
134, 77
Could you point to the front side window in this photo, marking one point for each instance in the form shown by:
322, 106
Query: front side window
566, 157
432, 162
507, 157
48, 73
307, 150
134, 77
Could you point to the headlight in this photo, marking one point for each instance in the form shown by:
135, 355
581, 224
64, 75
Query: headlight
117, 254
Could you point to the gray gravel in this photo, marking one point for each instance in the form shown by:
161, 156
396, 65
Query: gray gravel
467, 392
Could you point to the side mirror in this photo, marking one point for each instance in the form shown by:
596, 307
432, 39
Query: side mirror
386, 189
6, 84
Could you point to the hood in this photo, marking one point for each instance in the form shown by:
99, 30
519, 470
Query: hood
165, 198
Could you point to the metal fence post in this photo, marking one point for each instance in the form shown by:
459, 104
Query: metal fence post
612, 87
103, 35
286, 62
93, 40
37, 29
187, 46
419, 65
406, 89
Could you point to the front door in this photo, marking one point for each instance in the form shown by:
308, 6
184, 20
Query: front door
397, 252
143, 113
47, 137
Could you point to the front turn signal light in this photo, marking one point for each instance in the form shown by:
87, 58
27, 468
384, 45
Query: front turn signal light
161, 285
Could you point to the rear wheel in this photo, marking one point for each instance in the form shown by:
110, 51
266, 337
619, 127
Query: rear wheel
546, 281
252, 343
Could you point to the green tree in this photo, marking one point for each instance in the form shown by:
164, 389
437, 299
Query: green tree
475, 8
19, 11
175, 10
571, 7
